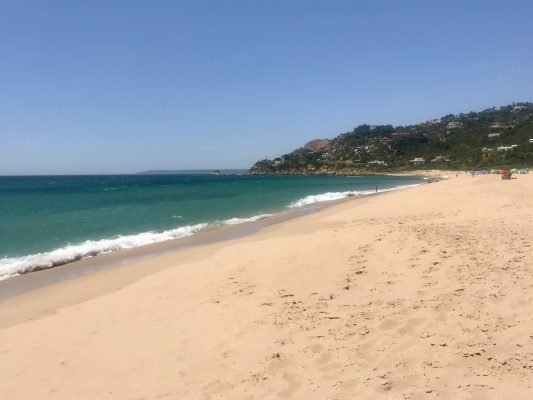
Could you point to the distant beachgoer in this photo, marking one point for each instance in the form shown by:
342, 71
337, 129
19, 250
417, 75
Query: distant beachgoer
376, 188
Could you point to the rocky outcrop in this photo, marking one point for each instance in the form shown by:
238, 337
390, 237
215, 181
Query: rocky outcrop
317, 145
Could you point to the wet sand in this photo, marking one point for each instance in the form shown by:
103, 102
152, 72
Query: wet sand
417, 294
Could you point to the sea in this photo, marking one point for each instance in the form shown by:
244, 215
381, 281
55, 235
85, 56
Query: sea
46, 221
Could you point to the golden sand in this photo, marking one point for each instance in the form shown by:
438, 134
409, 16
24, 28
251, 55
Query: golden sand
418, 294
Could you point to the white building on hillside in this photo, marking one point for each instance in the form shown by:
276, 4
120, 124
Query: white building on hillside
506, 148
376, 163
454, 124
417, 161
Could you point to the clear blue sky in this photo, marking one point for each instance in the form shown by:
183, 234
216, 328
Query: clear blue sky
123, 86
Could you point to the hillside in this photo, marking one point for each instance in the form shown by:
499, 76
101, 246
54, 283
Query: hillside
490, 138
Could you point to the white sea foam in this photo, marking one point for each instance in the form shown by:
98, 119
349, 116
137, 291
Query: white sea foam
318, 198
13, 266
235, 221
20, 265
330, 196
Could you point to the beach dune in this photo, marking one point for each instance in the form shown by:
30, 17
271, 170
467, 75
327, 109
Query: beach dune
417, 294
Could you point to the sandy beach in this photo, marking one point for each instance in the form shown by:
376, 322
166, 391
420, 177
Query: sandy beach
423, 293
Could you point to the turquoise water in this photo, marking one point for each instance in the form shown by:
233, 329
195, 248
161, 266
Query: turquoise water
51, 220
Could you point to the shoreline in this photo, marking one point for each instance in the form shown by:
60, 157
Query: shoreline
422, 293
20, 296
34, 279
19, 284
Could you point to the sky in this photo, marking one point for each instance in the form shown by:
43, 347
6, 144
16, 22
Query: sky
120, 86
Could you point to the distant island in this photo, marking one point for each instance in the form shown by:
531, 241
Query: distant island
194, 172
495, 137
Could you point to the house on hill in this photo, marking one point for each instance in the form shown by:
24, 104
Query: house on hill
440, 159
417, 161
278, 161
454, 125
499, 125
376, 163
506, 148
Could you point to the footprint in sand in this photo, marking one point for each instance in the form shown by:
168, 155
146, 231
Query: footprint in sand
388, 324
323, 359
316, 348
292, 387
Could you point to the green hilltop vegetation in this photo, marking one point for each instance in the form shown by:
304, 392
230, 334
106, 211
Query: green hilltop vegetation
495, 137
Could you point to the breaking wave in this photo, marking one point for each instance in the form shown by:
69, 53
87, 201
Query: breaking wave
21, 265
330, 196
235, 221
12, 266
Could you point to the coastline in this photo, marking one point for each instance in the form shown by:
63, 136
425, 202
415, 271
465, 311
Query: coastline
22, 283
21, 296
14, 287
421, 293
122, 249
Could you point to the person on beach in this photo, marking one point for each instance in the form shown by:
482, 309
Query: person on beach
376, 188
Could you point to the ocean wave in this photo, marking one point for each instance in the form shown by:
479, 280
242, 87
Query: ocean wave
12, 266
235, 221
330, 196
